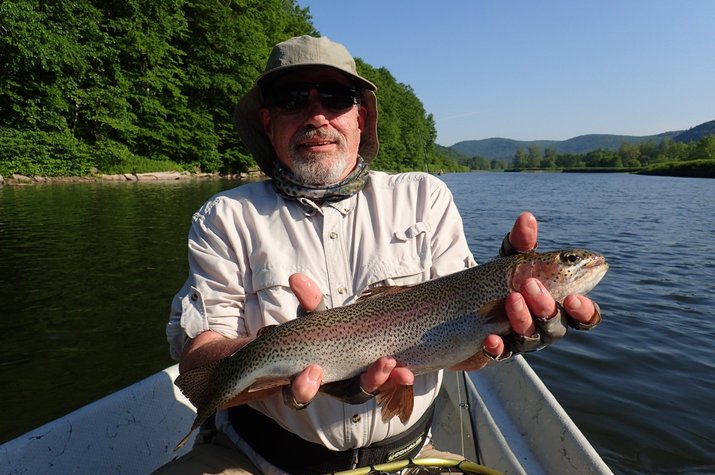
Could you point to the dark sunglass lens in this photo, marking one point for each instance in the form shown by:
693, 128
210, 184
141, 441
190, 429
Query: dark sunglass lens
337, 97
295, 96
289, 98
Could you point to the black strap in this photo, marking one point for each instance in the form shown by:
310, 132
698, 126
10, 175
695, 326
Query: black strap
297, 456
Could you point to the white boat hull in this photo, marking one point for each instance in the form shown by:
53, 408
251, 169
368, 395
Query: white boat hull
520, 428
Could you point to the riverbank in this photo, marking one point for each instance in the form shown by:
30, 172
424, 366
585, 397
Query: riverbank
688, 169
20, 180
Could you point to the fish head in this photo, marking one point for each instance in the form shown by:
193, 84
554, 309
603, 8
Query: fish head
564, 272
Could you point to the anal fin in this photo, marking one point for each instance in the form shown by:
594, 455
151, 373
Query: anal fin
398, 401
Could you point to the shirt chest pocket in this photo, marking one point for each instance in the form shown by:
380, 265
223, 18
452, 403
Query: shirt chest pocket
405, 260
270, 300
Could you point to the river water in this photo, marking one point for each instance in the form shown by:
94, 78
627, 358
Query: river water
87, 273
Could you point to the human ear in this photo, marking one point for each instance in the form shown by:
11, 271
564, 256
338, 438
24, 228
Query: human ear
265, 116
362, 117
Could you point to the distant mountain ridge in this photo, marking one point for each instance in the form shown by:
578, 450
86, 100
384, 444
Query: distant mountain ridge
504, 149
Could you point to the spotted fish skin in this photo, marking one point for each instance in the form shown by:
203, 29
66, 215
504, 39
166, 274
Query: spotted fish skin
425, 327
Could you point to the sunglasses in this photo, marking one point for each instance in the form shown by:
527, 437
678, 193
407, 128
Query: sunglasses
294, 97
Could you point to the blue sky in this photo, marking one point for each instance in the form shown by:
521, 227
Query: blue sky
539, 70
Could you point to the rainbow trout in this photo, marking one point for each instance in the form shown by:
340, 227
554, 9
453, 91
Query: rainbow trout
426, 327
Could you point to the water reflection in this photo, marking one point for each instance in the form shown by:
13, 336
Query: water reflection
87, 273
640, 387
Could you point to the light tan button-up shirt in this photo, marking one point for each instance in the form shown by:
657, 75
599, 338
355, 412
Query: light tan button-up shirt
244, 243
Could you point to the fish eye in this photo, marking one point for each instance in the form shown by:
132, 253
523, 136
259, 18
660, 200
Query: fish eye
570, 258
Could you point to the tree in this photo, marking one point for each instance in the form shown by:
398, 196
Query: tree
549, 160
703, 149
534, 159
521, 159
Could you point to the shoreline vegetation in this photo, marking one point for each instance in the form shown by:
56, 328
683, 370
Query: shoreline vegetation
691, 169
688, 169
160, 176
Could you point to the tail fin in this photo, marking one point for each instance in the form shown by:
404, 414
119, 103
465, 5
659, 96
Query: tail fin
184, 440
197, 384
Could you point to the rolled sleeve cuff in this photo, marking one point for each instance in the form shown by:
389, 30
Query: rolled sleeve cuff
189, 319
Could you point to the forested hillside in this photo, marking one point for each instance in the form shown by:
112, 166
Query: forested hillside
505, 149
146, 85
696, 133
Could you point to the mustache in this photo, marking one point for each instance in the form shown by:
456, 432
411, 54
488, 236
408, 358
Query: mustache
312, 134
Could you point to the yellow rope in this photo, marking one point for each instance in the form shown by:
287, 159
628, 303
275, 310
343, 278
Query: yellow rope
463, 466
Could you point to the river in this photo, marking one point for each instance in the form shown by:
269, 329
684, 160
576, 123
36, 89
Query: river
87, 272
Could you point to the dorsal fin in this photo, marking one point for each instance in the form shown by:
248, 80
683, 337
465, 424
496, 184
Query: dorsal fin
266, 329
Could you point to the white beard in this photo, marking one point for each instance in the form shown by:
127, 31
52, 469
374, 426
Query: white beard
319, 169
316, 170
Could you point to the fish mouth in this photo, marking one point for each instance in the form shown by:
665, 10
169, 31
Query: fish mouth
597, 261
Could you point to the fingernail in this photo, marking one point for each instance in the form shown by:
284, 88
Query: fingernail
574, 303
532, 288
387, 369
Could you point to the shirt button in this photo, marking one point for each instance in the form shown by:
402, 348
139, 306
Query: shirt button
333, 235
356, 418
341, 290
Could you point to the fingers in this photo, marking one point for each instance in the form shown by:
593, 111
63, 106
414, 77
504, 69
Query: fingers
533, 301
524, 233
494, 345
384, 373
306, 385
539, 301
581, 308
307, 292
519, 314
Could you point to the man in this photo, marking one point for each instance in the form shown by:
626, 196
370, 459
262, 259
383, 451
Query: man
322, 231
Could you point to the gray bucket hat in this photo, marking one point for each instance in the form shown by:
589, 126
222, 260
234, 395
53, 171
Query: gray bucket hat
296, 53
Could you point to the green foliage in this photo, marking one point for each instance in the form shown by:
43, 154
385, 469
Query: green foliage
42, 153
407, 133
667, 155
123, 85
127, 86
692, 168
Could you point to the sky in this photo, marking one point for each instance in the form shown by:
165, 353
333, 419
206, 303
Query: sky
538, 70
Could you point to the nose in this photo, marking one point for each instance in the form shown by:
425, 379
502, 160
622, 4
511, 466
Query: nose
315, 112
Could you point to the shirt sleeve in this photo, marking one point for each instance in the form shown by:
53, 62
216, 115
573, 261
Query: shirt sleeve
450, 251
213, 296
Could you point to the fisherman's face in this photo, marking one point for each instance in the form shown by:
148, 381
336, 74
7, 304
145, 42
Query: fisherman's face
315, 138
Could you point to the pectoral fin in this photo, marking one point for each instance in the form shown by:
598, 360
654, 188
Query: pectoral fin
249, 396
382, 291
494, 311
477, 361
263, 384
398, 401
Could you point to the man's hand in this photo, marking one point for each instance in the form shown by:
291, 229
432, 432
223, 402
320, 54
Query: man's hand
380, 376
533, 300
